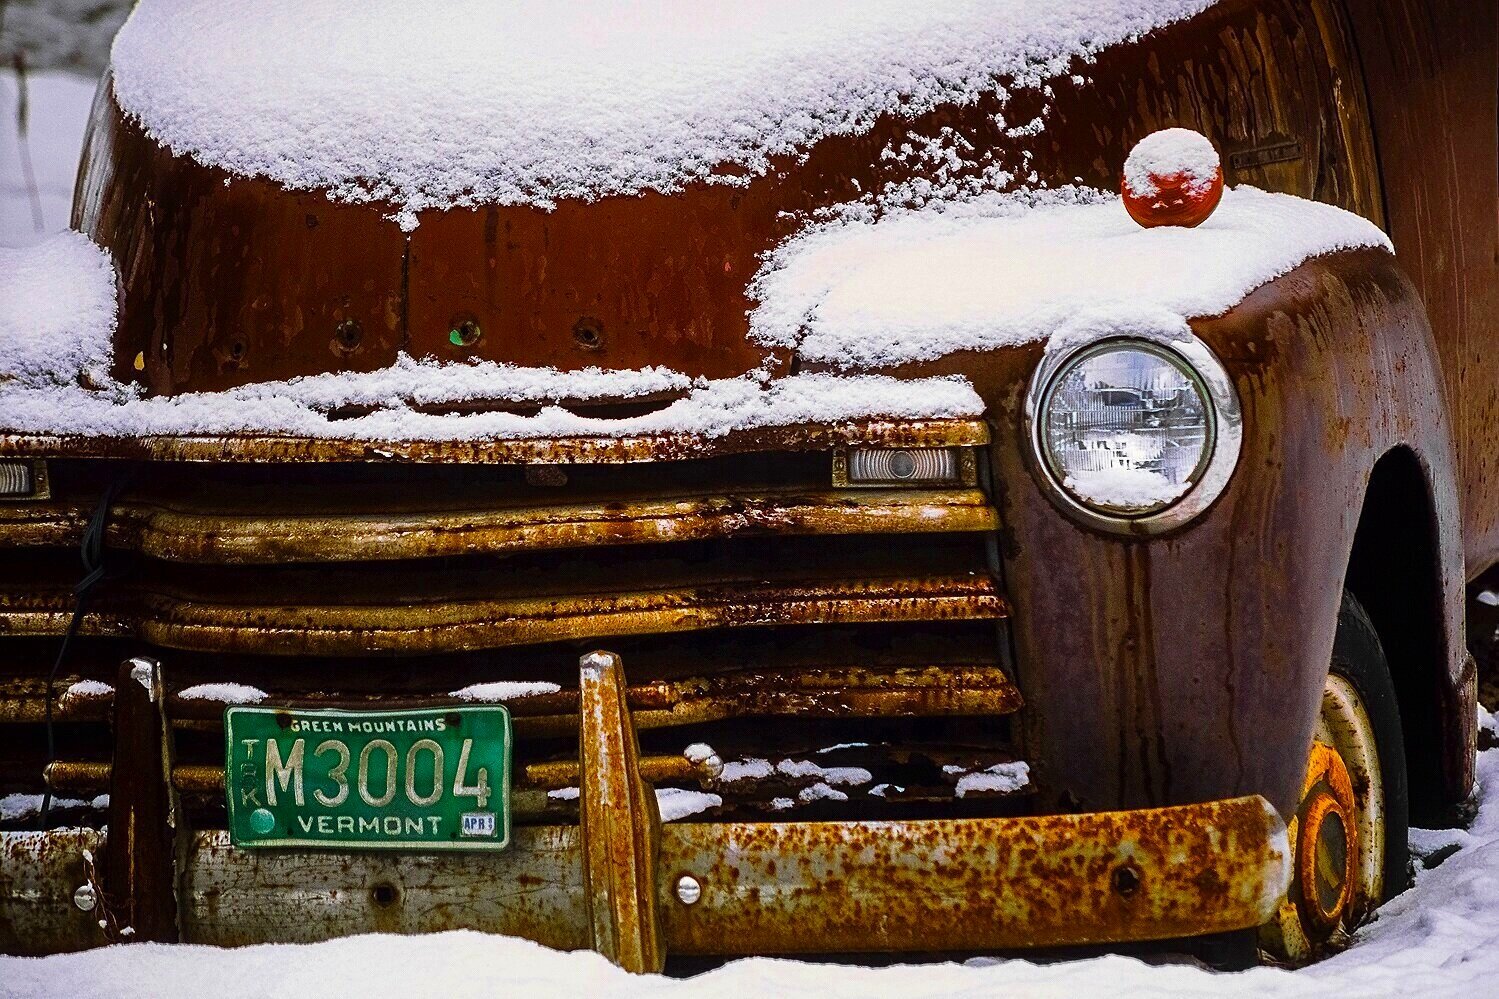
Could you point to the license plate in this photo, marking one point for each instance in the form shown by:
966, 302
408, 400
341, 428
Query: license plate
427, 779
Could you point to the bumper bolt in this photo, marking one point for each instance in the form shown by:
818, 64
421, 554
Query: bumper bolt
688, 889
1126, 880
85, 898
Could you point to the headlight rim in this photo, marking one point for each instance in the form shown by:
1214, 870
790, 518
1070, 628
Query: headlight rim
1225, 430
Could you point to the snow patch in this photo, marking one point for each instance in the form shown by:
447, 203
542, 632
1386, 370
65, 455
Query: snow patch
712, 409
228, 693
1007, 269
831, 775
427, 382
678, 803
57, 312
1126, 487
504, 690
751, 769
820, 792
24, 807
89, 688
1000, 778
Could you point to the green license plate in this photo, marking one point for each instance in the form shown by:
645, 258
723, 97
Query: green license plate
428, 779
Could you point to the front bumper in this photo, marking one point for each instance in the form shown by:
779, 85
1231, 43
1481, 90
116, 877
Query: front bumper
615, 881
810, 887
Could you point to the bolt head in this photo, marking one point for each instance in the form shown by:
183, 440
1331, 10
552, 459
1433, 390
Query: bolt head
85, 898
688, 889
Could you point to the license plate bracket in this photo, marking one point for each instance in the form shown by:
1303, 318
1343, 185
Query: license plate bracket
418, 780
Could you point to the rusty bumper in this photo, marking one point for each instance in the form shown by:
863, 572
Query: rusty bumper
935, 885
635, 889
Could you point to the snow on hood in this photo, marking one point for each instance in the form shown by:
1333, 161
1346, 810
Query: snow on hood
1005, 269
57, 318
528, 101
995, 271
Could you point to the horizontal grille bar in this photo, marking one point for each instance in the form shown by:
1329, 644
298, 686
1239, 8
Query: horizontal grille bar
245, 536
419, 627
603, 450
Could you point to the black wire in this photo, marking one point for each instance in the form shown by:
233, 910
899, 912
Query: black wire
91, 550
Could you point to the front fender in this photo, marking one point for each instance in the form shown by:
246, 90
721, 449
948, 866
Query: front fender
1190, 667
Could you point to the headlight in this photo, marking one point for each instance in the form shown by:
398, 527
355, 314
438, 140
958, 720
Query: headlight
1136, 434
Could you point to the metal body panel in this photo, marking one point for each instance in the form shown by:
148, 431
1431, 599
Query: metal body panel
227, 280
975, 884
1430, 67
533, 889
1192, 665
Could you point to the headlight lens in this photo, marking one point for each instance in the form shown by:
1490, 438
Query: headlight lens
1127, 428
1133, 435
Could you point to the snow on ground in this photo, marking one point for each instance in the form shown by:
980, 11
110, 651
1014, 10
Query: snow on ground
1004, 269
466, 102
1440, 939
37, 166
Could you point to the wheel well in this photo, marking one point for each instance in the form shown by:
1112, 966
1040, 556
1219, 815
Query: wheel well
1394, 571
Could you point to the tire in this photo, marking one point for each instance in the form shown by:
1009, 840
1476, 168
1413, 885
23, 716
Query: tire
1358, 657
1349, 836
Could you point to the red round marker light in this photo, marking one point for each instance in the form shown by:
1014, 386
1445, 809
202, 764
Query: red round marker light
1172, 177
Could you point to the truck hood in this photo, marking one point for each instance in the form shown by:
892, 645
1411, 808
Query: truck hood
290, 189
474, 102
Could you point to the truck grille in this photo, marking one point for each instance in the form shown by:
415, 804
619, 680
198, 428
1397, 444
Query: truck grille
841, 651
